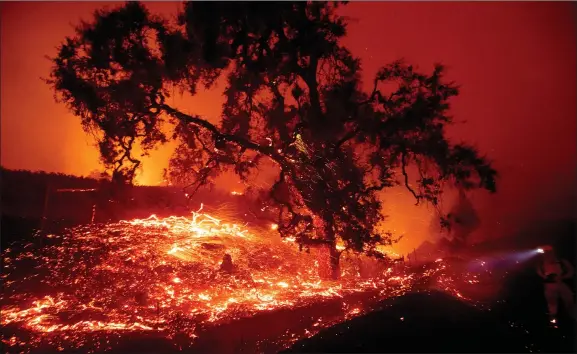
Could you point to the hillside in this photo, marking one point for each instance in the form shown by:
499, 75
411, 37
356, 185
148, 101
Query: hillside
65, 200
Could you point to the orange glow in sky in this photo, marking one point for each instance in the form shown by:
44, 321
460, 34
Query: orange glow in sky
515, 62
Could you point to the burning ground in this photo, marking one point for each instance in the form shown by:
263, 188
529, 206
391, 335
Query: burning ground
91, 286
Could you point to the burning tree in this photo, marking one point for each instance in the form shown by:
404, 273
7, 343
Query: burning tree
293, 97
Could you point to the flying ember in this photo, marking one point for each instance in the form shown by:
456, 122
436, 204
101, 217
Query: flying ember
147, 275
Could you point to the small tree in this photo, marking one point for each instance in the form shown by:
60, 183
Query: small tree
98, 175
293, 96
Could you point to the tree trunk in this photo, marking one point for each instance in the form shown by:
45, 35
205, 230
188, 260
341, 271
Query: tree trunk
335, 256
334, 253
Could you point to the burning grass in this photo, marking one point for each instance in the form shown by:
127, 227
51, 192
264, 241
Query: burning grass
161, 276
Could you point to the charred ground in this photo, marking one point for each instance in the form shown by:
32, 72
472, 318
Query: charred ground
516, 319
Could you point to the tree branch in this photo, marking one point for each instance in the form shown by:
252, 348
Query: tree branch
265, 150
404, 170
348, 136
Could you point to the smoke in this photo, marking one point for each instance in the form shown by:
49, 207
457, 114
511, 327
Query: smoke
464, 217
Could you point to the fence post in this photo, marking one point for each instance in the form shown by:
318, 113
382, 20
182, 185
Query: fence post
44, 212
93, 214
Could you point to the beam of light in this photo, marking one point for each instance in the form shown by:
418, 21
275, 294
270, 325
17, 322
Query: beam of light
505, 259
524, 255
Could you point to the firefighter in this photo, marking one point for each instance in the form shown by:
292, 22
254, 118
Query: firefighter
554, 270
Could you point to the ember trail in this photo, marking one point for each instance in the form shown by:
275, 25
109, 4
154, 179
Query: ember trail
145, 275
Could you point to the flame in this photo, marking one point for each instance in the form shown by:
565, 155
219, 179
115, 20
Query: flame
144, 274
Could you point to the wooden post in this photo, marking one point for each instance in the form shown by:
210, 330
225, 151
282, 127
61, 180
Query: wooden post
93, 214
44, 212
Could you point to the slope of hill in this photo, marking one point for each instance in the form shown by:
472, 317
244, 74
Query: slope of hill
434, 323
64, 200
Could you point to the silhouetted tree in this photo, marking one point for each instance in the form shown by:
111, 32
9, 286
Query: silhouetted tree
293, 96
99, 175
464, 218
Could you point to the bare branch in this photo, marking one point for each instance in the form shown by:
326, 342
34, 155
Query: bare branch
265, 150
405, 174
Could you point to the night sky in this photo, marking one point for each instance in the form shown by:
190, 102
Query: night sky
515, 62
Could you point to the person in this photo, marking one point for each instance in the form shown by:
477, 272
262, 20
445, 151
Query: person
553, 271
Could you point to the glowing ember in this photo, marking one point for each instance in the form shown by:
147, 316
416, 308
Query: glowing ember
149, 275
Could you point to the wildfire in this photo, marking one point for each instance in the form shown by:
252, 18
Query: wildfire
147, 275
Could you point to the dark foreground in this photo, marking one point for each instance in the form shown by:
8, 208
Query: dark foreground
437, 323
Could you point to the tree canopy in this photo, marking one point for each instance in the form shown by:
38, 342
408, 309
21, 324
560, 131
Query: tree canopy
293, 96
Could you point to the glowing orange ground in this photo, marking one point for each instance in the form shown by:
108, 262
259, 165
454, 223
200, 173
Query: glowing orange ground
146, 275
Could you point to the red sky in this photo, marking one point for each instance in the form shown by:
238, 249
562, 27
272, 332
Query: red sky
515, 62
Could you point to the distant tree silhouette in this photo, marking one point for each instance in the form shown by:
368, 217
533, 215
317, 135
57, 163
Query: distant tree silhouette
23, 194
293, 96
41, 178
464, 216
99, 175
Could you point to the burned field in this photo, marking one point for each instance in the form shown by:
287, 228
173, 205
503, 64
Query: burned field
97, 287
